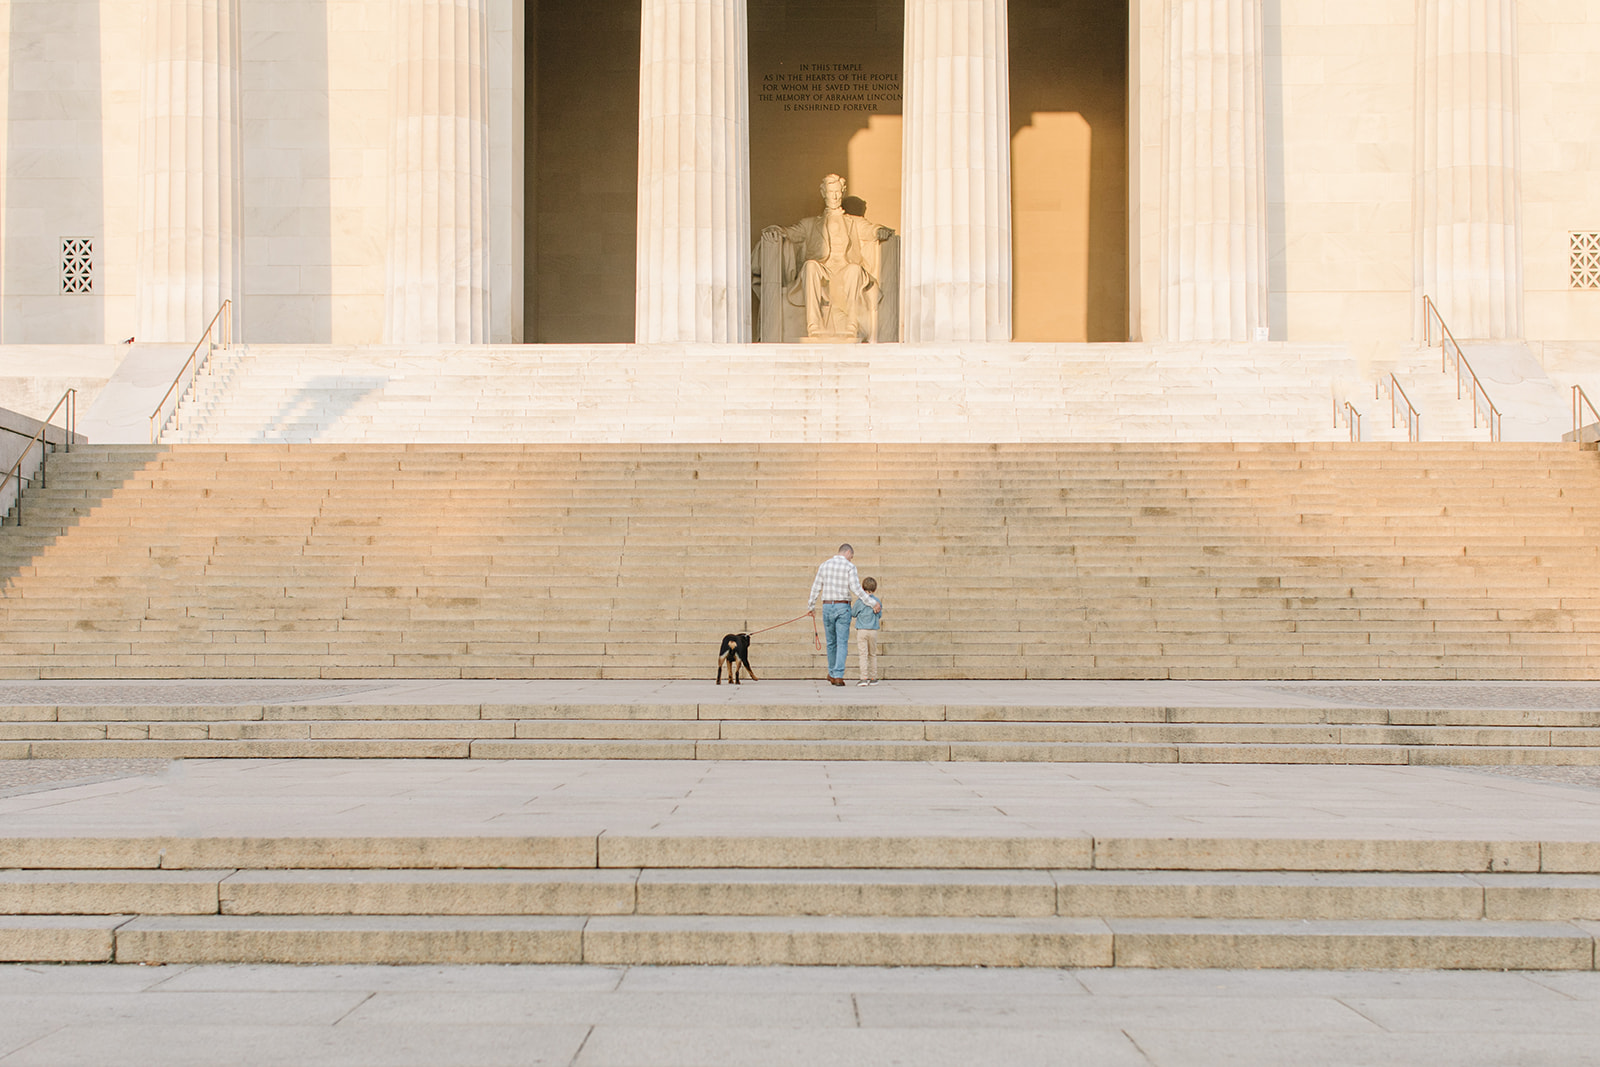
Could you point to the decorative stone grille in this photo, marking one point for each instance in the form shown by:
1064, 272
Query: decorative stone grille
77, 264
1585, 259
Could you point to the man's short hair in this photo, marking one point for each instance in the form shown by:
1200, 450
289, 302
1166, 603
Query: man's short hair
833, 179
845, 548
870, 584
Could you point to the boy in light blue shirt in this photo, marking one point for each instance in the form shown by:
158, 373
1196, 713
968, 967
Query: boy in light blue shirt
867, 624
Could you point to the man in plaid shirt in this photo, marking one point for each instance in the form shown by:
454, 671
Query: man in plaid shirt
836, 583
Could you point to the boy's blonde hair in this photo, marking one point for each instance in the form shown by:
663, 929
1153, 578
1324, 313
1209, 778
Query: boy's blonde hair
870, 584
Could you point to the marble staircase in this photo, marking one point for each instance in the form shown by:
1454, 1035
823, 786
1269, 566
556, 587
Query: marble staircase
977, 393
876, 900
851, 727
617, 561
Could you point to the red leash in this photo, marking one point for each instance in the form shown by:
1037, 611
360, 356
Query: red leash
816, 638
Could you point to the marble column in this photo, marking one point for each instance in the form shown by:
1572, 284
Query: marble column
189, 244
437, 262
1468, 196
1214, 277
956, 201
693, 278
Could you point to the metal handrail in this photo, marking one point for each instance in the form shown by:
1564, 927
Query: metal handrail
1350, 417
1413, 416
69, 399
1580, 400
1480, 396
224, 313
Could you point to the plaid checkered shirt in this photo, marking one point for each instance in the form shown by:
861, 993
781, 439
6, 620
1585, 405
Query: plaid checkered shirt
837, 580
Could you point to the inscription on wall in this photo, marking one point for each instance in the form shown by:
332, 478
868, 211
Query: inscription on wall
831, 87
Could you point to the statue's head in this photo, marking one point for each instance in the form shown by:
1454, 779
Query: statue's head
832, 190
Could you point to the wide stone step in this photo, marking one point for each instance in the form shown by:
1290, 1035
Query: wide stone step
600, 561
851, 708
804, 940
177, 742
216, 857
818, 891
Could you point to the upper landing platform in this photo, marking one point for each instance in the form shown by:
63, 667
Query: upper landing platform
895, 393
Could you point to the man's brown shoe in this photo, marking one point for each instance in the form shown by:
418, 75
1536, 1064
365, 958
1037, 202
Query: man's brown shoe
835, 681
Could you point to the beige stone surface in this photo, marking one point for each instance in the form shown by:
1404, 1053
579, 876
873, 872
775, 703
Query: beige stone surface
843, 851
420, 892
57, 938
1570, 857
583, 750
192, 853
350, 939
1540, 897
1321, 854
1272, 895
81, 892
1338, 945
756, 941
844, 892
64, 851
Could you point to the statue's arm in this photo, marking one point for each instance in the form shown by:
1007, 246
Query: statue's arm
867, 230
797, 232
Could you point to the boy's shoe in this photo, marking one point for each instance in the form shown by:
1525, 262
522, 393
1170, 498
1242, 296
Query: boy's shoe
863, 683
873, 682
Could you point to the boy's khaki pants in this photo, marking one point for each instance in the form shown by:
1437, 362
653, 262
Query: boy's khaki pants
869, 654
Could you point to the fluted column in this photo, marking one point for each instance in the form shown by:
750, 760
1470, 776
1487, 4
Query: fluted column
437, 282
693, 279
189, 239
1468, 206
1213, 160
956, 201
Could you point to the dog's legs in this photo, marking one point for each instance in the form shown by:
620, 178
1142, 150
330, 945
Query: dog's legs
747, 669
719, 668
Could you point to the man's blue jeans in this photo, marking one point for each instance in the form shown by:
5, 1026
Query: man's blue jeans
836, 624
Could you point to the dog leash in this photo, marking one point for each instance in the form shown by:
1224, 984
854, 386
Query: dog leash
816, 638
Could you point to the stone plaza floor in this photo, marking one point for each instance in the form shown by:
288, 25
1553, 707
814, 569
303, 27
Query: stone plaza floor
587, 1016
758, 799
490, 1016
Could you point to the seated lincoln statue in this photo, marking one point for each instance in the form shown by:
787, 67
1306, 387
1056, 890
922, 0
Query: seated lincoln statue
826, 275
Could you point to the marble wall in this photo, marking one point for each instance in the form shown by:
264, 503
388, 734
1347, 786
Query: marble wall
70, 166
1560, 45
1339, 116
313, 214
1340, 99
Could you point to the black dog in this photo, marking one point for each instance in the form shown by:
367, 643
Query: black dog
735, 650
